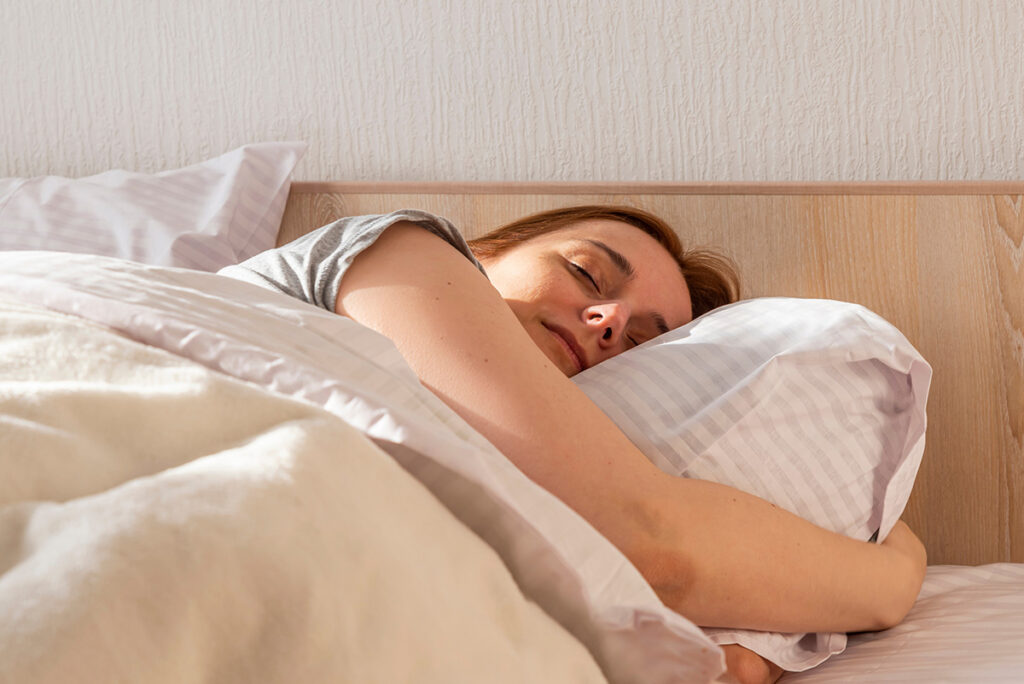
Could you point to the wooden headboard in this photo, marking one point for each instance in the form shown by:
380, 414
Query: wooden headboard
944, 262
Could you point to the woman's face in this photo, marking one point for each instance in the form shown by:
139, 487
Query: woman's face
590, 291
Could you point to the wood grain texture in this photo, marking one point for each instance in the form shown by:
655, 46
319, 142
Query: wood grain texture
946, 269
660, 188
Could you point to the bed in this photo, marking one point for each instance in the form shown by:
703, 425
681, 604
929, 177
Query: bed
207, 481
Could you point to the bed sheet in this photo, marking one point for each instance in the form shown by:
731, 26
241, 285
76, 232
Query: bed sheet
967, 626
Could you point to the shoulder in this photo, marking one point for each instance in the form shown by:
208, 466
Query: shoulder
409, 259
314, 266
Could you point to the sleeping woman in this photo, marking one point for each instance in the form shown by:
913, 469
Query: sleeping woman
496, 327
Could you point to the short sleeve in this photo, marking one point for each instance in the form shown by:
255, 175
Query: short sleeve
311, 267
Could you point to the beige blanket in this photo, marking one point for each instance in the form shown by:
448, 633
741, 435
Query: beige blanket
161, 522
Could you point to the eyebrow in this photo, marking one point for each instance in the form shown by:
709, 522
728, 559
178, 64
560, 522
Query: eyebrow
627, 270
621, 262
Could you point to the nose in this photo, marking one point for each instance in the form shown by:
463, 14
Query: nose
610, 319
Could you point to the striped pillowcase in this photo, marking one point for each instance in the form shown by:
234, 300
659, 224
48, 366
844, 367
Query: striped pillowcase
815, 405
205, 216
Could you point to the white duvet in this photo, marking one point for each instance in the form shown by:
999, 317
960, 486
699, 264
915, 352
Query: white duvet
206, 481
194, 491
165, 523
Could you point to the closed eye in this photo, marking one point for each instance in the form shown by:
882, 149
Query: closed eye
583, 272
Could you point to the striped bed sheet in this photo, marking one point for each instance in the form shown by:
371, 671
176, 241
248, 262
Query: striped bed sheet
967, 626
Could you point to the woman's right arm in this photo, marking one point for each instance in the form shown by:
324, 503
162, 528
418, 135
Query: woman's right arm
715, 554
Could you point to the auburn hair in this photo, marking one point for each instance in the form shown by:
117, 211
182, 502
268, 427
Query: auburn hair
710, 276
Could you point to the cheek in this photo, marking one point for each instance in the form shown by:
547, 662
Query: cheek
526, 295
533, 290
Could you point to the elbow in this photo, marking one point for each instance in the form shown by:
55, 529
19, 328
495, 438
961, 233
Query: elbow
893, 613
905, 593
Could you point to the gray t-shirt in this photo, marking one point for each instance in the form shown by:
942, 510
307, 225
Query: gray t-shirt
311, 267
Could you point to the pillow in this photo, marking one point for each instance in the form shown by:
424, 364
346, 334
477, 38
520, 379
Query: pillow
817, 406
205, 216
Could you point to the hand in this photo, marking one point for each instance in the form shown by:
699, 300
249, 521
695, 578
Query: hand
743, 666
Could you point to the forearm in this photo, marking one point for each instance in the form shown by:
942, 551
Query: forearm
751, 565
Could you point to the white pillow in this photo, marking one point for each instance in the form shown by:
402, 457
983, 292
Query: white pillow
205, 216
817, 406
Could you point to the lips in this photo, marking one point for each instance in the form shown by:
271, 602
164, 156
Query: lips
572, 348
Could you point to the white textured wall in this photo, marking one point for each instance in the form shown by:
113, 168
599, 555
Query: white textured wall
525, 90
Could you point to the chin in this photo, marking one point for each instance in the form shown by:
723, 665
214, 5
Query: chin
559, 362
560, 365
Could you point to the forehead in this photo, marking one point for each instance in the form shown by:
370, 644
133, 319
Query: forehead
614, 230
657, 280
